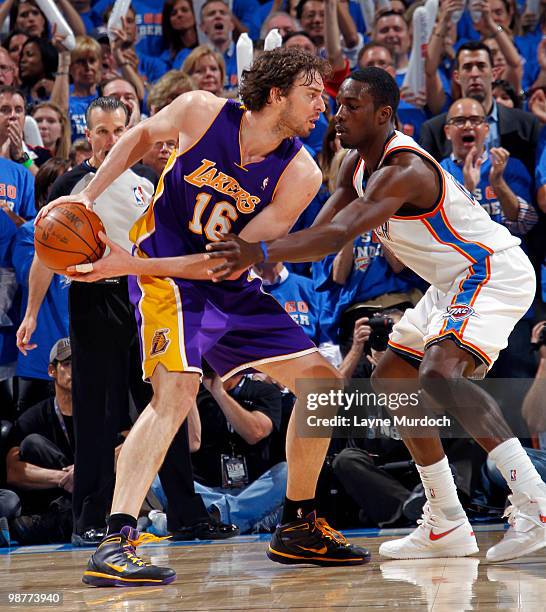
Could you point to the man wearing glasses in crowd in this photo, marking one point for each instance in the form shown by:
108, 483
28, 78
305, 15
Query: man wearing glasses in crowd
513, 129
500, 183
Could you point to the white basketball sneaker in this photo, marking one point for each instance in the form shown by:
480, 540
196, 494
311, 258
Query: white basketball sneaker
527, 531
435, 536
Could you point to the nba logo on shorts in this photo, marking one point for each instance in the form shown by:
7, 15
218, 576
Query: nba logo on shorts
160, 342
513, 476
432, 493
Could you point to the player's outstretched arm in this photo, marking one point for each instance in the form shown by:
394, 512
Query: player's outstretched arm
120, 262
344, 192
185, 119
386, 192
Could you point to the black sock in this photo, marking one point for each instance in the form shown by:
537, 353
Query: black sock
118, 520
296, 510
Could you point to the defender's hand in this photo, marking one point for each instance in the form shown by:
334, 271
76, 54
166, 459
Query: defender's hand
238, 255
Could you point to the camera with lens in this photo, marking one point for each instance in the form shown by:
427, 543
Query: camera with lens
381, 328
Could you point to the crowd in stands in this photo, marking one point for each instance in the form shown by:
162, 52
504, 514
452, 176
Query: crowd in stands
70, 385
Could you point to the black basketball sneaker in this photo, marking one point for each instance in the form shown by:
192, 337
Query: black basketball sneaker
115, 562
312, 540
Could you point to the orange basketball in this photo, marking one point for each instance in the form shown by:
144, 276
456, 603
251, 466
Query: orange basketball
68, 235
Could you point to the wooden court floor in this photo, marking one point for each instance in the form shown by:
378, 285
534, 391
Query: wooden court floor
236, 575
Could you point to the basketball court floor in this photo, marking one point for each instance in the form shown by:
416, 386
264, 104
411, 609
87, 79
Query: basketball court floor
236, 575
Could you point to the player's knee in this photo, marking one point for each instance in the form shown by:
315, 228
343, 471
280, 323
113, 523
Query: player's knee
377, 379
175, 395
437, 378
382, 380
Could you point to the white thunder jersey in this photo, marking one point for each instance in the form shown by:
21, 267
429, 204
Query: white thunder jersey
439, 244
481, 281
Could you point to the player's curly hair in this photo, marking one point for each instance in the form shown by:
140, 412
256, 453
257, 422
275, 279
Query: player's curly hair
278, 68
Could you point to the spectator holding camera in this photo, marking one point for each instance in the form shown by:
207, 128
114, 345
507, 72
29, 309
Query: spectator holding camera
383, 496
238, 419
369, 340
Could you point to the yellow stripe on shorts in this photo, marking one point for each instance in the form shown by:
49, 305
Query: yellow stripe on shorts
162, 326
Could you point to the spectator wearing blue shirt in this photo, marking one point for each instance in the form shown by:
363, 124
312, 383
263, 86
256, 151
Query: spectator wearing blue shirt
148, 15
297, 295
391, 30
179, 31
409, 116
12, 125
217, 24
121, 55
89, 15
16, 207
85, 70
16, 202
120, 59
500, 183
360, 272
33, 383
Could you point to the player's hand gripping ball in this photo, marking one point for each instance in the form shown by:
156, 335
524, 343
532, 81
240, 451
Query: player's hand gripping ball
68, 235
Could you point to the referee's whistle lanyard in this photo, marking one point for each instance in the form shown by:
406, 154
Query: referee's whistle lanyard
61, 422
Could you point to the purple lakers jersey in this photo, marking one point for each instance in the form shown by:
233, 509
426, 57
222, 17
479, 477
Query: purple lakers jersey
205, 191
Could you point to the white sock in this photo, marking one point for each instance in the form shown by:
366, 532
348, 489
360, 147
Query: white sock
517, 469
440, 489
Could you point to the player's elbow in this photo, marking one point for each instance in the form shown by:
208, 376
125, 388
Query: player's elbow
254, 436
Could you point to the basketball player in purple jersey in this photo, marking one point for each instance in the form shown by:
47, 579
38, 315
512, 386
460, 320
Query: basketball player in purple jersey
237, 169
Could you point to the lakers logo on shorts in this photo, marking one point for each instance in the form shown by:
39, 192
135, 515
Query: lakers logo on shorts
160, 342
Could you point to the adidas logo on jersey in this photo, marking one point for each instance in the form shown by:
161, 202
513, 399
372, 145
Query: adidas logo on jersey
459, 312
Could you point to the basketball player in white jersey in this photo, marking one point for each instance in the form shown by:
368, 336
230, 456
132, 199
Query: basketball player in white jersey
481, 284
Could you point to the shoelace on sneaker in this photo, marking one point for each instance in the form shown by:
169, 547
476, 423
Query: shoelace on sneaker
330, 533
510, 513
428, 520
143, 538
